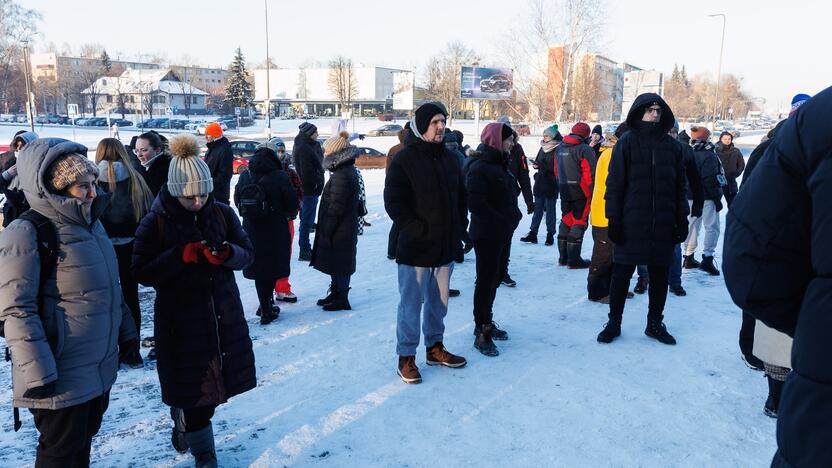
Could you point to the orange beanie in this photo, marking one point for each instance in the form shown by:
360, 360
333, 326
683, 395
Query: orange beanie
213, 129
700, 133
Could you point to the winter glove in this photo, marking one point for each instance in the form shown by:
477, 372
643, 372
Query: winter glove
616, 233
718, 205
530, 207
681, 232
128, 353
219, 256
191, 253
39, 393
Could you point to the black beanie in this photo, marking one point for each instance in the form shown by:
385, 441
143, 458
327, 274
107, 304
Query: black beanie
597, 129
507, 132
425, 113
308, 129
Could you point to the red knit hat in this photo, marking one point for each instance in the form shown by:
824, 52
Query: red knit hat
700, 133
581, 129
213, 129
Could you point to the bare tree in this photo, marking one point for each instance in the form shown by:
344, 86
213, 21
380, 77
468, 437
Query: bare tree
584, 26
342, 81
17, 24
587, 97
443, 75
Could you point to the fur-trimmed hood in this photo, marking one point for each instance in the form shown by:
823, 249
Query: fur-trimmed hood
341, 158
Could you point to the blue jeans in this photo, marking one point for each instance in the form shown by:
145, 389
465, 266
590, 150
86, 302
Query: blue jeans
421, 289
341, 282
549, 205
675, 277
308, 210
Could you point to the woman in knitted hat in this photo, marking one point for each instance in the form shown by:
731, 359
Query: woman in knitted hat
336, 239
545, 187
63, 311
187, 248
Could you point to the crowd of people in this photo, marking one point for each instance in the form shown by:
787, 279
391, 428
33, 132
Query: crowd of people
80, 237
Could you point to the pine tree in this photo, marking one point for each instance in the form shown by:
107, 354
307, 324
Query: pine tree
238, 90
684, 76
675, 77
106, 63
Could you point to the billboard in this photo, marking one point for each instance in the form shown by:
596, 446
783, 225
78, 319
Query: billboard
403, 91
486, 83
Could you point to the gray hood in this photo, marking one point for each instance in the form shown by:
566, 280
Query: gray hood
34, 159
119, 171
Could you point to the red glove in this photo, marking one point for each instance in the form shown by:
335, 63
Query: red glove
219, 256
191, 252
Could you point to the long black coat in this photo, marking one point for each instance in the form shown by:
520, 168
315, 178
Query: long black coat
204, 353
707, 163
220, 160
308, 156
546, 179
424, 194
269, 235
778, 268
492, 195
336, 237
156, 176
646, 187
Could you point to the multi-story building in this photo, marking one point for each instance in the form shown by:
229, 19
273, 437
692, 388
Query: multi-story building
51, 66
209, 79
144, 91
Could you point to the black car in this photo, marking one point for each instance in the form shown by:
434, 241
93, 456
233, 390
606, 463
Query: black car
121, 122
370, 152
495, 84
230, 123
386, 130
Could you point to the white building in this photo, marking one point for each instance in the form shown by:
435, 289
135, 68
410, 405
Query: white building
308, 90
158, 90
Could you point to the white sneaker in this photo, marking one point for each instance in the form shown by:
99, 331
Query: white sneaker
285, 297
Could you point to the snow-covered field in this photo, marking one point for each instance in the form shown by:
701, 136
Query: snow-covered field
328, 393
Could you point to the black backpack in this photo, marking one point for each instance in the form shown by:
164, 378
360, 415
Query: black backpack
47, 242
253, 203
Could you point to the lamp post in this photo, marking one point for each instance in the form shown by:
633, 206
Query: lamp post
30, 96
719, 68
268, 78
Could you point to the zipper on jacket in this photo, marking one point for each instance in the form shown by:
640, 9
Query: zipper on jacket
653, 183
216, 327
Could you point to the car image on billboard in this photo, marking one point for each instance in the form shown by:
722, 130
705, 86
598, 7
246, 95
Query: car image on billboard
486, 83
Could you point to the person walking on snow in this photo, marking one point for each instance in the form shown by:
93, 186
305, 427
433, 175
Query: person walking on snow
646, 209
576, 169
308, 157
424, 195
492, 201
545, 187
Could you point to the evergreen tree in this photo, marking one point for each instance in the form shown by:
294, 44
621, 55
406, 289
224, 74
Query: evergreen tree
684, 76
238, 90
675, 77
106, 64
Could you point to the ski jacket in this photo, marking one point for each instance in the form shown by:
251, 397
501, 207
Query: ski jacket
576, 168
220, 160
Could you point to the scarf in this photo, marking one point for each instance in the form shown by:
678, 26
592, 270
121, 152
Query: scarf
549, 146
702, 145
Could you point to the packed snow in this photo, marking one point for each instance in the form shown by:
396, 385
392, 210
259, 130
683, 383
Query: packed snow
328, 393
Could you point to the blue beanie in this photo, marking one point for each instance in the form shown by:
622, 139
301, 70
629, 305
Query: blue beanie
798, 100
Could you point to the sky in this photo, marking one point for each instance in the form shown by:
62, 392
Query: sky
775, 46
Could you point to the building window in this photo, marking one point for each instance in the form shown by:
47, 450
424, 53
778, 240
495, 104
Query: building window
109, 98
193, 100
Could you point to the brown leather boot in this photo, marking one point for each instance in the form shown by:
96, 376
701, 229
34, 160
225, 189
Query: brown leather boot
437, 355
408, 370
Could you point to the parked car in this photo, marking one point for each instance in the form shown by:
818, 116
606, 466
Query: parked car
522, 129
243, 151
497, 83
386, 130
246, 122
81, 122
193, 124
370, 158
121, 122
200, 130
387, 117
229, 123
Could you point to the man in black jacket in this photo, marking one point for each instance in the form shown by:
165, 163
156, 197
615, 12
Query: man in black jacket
424, 195
647, 210
778, 268
220, 160
576, 172
710, 173
308, 156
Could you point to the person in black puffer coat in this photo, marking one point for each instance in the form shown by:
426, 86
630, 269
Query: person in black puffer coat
711, 176
151, 149
188, 248
269, 233
778, 268
336, 239
16, 203
220, 160
647, 210
131, 201
576, 172
308, 157
492, 200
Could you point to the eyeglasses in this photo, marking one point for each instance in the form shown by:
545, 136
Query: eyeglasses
655, 110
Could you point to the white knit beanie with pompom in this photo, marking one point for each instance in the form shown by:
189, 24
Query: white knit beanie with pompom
188, 175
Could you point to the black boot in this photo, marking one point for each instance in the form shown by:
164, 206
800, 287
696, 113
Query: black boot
269, 316
611, 331
689, 262
341, 301
483, 341
775, 388
508, 281
202, 447
575, 261
177, 436
305, 255
708, 266
641, 286
496, 333
453, 293
531, 238
331, 292
562, 256
678, 290
550, 239
656, 330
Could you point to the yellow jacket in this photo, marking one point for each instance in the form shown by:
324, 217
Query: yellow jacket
597, 213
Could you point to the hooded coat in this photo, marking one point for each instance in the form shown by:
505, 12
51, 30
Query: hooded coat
646, 187
203, 349
118, 219
220, 160
778, 268
74, 340
309, 156
16, 203
336, 238
269, 235
708, 166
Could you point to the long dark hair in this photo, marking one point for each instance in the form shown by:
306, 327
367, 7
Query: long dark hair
155, 140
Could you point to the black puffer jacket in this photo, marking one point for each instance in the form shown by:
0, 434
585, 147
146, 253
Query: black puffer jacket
492, 195
309, 156
778, 268
204, 353
519, 168
646, 187
156, 176
336, 238
546, 180
424, 194
707, 164
220, 160
732, 162
269, 235
16, 203
118, 219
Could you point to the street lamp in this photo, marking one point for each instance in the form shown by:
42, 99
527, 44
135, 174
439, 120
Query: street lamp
268, 78
30, 96
719, 69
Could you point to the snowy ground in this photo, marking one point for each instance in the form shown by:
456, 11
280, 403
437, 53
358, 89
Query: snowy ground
328, 394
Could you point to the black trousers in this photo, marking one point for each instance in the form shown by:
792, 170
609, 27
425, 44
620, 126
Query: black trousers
66, 434
129, 286
265, 288
729, 197
747, 334
600, 267
657, 292
192, 419
492, 261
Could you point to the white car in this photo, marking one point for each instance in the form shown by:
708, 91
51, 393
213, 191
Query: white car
200, 129
192, 126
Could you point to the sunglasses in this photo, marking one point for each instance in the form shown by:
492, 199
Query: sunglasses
654, 110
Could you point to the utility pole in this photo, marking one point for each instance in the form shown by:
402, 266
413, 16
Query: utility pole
30, 97
719, 68
268, 78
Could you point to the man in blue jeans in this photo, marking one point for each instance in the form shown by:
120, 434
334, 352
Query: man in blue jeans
308, 158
